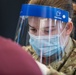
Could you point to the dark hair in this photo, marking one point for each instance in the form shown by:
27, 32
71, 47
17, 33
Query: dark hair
63, 4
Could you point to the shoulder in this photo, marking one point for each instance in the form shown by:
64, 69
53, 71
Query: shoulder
74, 42
31, 51
70, 64
72, 57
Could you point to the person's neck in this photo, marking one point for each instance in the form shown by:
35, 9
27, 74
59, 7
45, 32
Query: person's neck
50, 59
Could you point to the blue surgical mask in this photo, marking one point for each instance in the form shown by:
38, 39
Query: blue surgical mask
48, 46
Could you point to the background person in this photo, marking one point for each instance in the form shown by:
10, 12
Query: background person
15, 61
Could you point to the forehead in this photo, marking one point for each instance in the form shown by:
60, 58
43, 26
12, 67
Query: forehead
33, 20
43, 21
38, 22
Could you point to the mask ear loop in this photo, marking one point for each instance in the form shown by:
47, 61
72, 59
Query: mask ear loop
60, 52
64, 42
69, 20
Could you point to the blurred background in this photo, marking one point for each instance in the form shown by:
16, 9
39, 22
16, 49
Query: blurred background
9, 15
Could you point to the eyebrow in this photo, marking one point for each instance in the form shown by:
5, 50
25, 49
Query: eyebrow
48, 27
31, 26
44, 27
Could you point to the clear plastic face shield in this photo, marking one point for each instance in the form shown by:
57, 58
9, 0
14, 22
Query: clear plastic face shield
47, 31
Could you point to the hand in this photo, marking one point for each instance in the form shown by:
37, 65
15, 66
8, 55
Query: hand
43, 68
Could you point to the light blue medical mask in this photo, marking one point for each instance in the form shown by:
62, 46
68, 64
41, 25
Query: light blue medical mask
48, 46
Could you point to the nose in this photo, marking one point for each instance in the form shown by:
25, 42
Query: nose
39, 33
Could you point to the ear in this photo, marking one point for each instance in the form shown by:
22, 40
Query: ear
69, 28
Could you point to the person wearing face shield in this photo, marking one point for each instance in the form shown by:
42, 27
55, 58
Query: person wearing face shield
50, 26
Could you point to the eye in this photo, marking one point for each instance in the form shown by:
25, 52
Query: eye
32, 29
52, 29
47, 31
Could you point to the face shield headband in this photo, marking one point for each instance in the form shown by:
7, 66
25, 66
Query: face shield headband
44, 12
